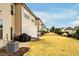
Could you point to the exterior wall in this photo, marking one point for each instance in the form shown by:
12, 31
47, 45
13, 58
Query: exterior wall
18, 22
8, 22
6, 17
40, 25
44, 28
18, 19
28, 23
37, 23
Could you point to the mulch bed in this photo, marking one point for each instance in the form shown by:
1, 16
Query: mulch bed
20, 52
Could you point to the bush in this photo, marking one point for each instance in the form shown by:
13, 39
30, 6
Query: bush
77, 33
43, 32
69, 35
60, 32
52, 29
16, 38
24, 37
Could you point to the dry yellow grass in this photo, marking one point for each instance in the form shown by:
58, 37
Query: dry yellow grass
54, 45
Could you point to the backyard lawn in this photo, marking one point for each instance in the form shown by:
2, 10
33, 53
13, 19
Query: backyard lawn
52, 44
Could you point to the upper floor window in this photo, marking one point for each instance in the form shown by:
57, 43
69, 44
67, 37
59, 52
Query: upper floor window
32, 20
26, 15
11, 9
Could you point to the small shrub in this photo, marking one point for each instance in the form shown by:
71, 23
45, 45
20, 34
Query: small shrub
43, 32
60, 32
69, 35
24, 37
77, 33
16, 38
52, 29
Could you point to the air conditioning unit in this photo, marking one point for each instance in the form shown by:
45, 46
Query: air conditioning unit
12, 46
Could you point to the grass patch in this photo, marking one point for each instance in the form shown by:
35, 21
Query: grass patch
52, 44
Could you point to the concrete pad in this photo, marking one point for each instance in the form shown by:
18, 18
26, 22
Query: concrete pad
24, 44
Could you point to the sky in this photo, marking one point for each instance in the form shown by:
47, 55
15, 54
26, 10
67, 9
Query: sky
56, 14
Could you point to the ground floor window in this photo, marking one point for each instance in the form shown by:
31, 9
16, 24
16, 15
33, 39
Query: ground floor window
1, 28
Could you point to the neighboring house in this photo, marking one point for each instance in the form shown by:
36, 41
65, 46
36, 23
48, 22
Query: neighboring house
68, 29
76, 27
18, 18
44, 28
40, 26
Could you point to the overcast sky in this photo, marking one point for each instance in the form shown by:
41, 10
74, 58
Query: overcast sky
59, 15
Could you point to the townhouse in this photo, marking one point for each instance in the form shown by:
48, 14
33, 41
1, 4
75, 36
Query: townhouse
68, 30
44, 28
40, 26
16, 18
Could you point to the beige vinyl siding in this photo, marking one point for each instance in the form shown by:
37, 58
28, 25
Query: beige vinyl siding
28, 26
40, 25
18, 19
6, 17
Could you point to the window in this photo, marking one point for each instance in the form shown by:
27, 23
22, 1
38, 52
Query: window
32, 20
1, 28
11, 9
26, 15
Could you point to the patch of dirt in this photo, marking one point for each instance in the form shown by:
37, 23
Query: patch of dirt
20, 52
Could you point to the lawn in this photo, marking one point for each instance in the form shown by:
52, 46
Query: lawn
52, 44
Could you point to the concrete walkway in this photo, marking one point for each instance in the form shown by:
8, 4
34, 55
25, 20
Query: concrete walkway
24, 44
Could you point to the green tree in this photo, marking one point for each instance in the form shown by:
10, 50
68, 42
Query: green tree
57, 30
52, 29
43, 32
77, 33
